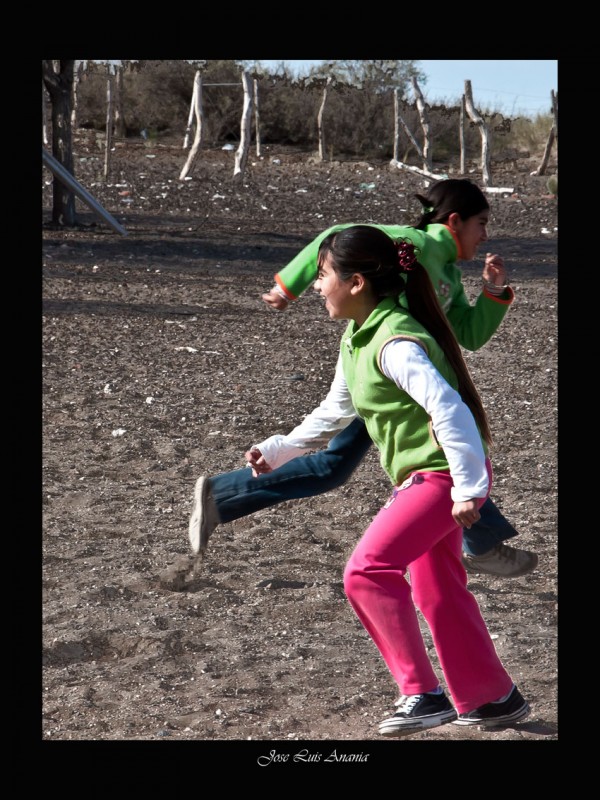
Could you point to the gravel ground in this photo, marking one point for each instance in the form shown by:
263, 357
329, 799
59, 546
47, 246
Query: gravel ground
161, 363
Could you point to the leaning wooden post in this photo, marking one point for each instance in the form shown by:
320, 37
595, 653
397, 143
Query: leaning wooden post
411, 137
197, 105
541, 170
69, 181
417, 171
241, 155
485, 136
424, 117
399, 120
109, 123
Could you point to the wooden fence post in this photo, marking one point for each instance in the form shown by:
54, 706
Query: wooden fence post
424, 117
109, 123
197, 108
241, 155
411, 137
193, 106
120, 129
321, 132
76, 81
485, 136
541, 170
256, 118
44, 116
396, 150
461, 135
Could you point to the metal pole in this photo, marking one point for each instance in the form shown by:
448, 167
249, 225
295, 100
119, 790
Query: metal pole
65, 176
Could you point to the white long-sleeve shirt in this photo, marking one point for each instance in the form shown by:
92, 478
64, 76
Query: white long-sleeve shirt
407, 364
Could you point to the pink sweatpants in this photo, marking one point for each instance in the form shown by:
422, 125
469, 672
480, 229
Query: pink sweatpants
416, 528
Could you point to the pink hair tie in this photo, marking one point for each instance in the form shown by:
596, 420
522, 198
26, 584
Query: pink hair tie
406, 255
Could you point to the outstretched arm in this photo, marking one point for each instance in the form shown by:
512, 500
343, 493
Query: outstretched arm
296, 277
334, 414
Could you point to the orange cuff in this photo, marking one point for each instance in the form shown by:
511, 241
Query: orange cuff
504, 300
286, 292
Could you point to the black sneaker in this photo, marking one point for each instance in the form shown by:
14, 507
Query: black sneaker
513, 709
416, 712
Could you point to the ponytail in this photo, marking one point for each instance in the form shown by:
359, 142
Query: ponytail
450, 196
391, 268
425, 308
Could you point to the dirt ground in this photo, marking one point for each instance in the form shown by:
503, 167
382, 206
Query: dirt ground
161, 363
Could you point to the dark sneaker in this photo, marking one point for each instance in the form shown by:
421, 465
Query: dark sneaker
508, 711
416, 712
204, 518
503, 561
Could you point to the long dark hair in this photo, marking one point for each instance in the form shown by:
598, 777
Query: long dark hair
448, 196
392, 268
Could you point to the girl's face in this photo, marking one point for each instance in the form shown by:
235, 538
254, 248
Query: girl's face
336, 292
471, 232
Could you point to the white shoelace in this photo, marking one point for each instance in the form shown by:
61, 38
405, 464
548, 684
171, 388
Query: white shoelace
407, 702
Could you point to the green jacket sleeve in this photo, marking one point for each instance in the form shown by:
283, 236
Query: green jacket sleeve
474, 325
297, 276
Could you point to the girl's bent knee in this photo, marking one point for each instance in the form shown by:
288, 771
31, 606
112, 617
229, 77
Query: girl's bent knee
332, 474
352, 581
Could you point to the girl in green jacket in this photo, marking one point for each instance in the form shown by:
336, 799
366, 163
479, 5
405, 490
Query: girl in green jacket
452, 227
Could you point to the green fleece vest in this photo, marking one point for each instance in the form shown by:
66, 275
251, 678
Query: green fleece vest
400, 428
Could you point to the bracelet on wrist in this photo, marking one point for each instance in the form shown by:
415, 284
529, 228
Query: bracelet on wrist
281, 293
492, 288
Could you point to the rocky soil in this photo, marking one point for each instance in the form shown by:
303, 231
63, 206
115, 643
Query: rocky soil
161, 363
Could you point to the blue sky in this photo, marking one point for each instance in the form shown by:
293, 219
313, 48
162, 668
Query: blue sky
515, 88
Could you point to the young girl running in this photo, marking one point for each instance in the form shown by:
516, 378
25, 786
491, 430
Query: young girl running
403, 374
452, 226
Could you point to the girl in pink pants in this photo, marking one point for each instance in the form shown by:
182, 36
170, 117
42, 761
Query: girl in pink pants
402, 538
402, 371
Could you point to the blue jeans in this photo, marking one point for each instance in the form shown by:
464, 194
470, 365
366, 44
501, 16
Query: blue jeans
238, 494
